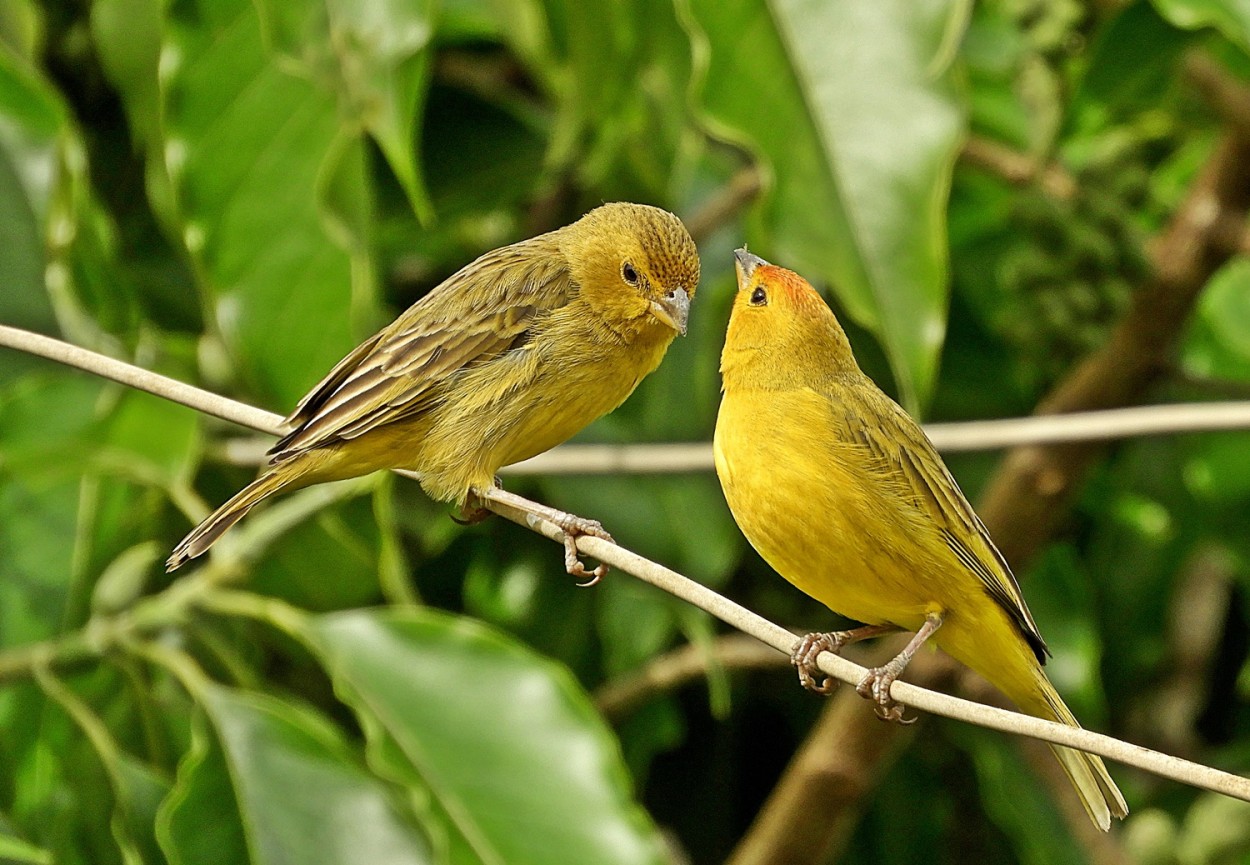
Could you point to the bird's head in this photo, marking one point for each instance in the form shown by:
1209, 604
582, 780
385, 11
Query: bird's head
636, 265
780, 322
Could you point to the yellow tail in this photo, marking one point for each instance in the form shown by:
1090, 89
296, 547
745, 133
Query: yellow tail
206, 533
1098, 793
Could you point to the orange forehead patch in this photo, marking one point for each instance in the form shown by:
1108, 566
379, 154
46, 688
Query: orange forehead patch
797, 289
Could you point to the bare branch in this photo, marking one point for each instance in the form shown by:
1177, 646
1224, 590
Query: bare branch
684, 664
977, 435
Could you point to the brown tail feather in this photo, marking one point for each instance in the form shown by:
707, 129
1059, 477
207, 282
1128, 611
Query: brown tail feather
206, 533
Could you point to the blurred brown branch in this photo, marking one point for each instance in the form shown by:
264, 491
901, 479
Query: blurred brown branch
1018, 169
1032, 491
718, 210
684, 664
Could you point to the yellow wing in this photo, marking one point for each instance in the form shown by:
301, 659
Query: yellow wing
903, 455
485, 309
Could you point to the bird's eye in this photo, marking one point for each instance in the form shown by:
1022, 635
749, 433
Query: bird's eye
629, 274
759, 297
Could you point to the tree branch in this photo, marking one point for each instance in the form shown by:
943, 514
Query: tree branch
675, 584
1032, 490
1017, 168
959, 436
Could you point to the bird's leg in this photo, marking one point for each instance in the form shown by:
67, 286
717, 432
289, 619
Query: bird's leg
804, 655
471, 514
876, 683
571, 525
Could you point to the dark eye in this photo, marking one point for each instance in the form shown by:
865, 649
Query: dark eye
629, 274
758, 297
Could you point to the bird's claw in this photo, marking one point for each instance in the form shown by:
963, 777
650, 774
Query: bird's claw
804, 659
875, 686
573, 527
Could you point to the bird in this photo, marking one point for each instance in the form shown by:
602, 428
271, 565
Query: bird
506, 358
842, 493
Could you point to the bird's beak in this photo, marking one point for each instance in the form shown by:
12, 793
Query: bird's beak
745, 263
673, 310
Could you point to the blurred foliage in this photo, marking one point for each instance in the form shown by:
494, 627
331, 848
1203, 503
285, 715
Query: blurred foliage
235, 193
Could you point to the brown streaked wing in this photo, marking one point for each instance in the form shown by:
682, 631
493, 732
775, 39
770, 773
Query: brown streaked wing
914, 464
476, 314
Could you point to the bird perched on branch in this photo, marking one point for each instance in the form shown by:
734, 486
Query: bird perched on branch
842, 494
508, 357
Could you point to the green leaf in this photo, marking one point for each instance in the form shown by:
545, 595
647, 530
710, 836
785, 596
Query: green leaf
256, 175
32, 121
200, 822
516, 764
15, 850
374, 55
1230, 17
1013, 800
1217, 344
279, 785
852, 106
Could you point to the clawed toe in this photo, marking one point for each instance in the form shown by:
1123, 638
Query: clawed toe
875, 686
573, 527
804, 659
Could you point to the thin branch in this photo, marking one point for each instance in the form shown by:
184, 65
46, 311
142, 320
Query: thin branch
1018, 169
724, 609
977, 435
741, 190
684, 664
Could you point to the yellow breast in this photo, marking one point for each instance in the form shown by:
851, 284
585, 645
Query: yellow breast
805, 502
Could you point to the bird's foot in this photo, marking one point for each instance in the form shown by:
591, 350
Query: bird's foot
804, 655
875, 686
804, 659
573, 527
876, 683
570, 525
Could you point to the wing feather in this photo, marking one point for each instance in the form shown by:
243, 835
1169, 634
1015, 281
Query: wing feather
902, 454
478, 313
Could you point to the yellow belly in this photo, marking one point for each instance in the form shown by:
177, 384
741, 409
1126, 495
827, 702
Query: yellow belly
504, 411
817, 518
815, 514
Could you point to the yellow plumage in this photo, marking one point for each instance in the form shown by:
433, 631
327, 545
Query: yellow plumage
508, 357
842, 494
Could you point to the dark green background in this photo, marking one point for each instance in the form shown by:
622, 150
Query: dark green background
235, 193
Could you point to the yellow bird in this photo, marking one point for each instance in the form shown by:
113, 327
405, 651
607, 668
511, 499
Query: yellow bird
505, 359
842, 494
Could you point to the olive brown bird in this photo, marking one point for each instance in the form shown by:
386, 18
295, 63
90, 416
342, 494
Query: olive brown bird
842, 493
505, 359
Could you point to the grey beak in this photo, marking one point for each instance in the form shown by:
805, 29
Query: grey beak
745, 263
673, 310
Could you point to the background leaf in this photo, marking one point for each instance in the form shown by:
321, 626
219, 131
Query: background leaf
860, 189
462, 704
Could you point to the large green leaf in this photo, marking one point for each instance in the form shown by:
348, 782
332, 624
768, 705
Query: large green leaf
372, 54
517, 766
852, 107
275, 783
257, 176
